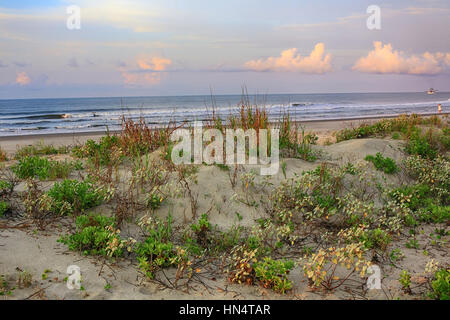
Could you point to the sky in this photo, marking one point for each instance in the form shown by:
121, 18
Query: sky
191, 47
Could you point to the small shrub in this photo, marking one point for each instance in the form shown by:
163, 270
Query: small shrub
320, 267
157, 251
5, 187
95, 235
396, 255
100, 152
418, 145
405, 281
73, 197
273, 274
42, 168
412, 244
5, 289
440, 285
201, 229
241, 266
4, 208
435, 213
414, 197
375, 239
387, 165
433, 173
154, 200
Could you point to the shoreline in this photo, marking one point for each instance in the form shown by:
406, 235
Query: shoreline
11, 142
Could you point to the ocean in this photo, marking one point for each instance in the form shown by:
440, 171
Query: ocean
74, 115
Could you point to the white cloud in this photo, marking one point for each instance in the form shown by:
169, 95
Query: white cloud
290, 60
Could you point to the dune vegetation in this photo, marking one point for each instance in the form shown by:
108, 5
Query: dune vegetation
379, 196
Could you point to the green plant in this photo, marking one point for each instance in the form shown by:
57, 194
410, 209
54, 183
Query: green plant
381, 163
414, 196
99, 152
402, 123
5, 289
375, 239
73, 197
418, 145
351, 169
42, 168
273, 274
95, 235
223, 167
396, 255
201, 229
5, 187
435, 213
440, 285
405, 281
4, 208
157, 251
44, 275
412, 244
39, 149
154, 200
283, 168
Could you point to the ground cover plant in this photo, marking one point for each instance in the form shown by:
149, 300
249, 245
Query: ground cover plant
73, 197
40, 149
95, 235
43, 169
387, 165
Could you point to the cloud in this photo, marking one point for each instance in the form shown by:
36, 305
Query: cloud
73, 63
384, 59
22, 78
290, 60
154, 63
20, 64
3, 65
149, 71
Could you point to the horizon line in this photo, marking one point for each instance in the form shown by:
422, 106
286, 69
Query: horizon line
215, 95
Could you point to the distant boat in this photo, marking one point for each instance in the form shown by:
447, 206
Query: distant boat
431, 91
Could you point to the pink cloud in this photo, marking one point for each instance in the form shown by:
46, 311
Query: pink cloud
22, 78
154, 63
384, 59
290, 60
149, 71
